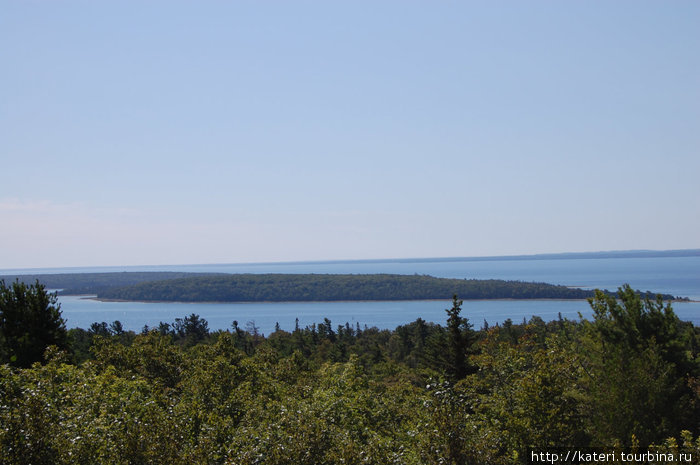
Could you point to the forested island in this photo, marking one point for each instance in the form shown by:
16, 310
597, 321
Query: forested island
93, 283
328, 287
219, 287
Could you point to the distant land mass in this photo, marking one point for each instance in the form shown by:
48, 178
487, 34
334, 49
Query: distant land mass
546, 256
94, 283
334, 287
218, 287
208, 268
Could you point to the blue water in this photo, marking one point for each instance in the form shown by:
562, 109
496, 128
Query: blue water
679, 276
81, 312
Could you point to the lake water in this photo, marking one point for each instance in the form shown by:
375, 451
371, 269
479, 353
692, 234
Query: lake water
679, 276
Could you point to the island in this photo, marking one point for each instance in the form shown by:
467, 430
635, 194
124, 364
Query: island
219, 287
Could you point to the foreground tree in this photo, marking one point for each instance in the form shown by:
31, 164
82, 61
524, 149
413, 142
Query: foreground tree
460, 337
30, 321
642, 370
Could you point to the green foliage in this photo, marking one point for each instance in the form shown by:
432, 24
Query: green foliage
92, 283
180, 394
151, 356
326, 287
527, 396
687, 446
639, 354
62, 414
30, 321
448, 434
460, 339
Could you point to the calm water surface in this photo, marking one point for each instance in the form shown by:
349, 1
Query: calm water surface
81, 312
675, 275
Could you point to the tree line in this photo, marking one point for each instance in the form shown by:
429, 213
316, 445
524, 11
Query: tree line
92, 283
329, 393
330, 287
225, 287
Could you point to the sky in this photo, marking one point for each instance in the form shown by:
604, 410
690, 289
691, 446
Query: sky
180, 132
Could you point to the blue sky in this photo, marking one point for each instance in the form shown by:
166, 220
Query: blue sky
169, 132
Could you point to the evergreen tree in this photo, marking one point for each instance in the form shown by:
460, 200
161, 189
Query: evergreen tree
460, 338
30, 321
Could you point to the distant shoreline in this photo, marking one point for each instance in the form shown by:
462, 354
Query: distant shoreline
307, 287
98, 299
680, 253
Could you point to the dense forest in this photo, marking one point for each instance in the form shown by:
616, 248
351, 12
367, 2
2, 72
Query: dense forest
220, 287
330, 287
332, 393
93, 283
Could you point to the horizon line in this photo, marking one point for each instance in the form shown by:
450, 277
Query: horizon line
631, 253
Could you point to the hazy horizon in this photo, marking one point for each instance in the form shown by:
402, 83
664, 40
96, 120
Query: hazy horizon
174, 132
563, 255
